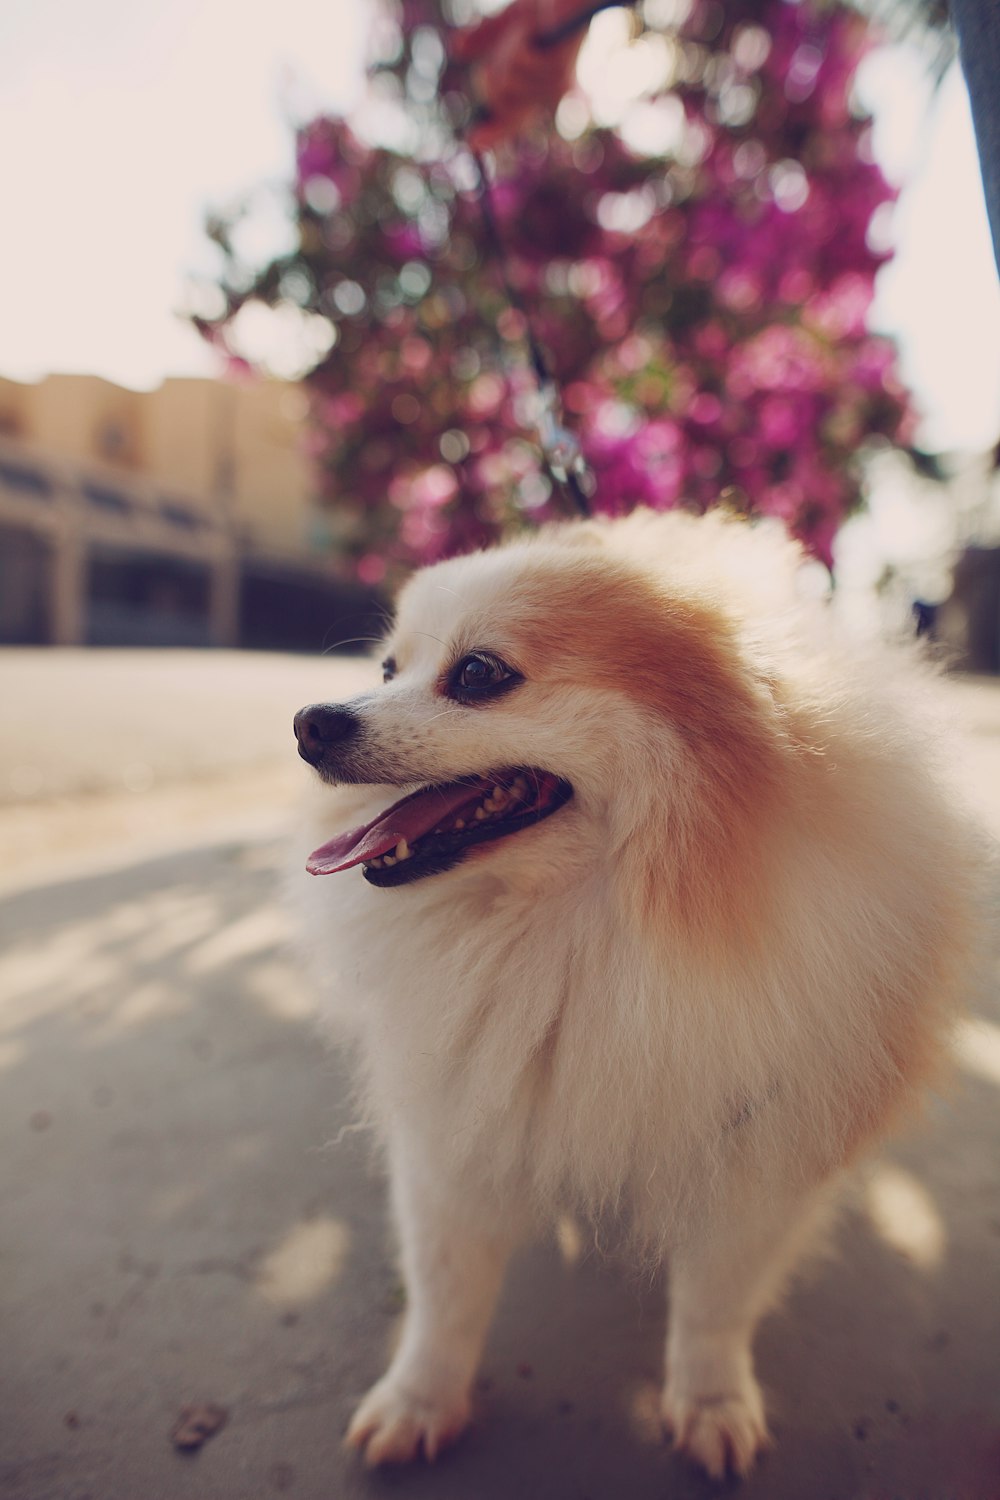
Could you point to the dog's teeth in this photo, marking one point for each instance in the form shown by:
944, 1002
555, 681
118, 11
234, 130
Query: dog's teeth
402, 850
376, 864
459, 822
388, 859
480, 814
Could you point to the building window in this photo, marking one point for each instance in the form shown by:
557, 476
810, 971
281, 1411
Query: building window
182, 516
103, 497
26, 478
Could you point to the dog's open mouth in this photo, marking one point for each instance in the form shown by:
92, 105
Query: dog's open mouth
433, 829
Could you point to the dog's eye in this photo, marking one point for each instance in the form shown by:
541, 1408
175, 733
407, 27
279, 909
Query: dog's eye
479, 675
388, 669
479, 672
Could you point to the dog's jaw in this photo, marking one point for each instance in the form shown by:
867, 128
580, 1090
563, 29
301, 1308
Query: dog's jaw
434, 829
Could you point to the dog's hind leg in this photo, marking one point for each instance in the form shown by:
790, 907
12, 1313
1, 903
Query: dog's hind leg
723, 1278
454, 1252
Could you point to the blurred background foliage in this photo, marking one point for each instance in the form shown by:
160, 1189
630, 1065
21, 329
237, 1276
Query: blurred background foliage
700, 277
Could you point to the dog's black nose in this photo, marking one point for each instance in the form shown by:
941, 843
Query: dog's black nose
321, 726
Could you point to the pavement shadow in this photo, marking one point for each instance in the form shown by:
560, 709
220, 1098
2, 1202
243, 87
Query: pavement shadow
191, 1214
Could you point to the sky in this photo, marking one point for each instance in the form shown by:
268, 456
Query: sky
122, 123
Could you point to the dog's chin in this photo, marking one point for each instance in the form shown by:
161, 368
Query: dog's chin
436, 828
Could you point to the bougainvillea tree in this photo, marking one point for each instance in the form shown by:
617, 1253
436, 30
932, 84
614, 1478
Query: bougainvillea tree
702, 301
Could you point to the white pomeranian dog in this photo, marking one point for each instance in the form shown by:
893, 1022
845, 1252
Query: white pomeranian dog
647, 898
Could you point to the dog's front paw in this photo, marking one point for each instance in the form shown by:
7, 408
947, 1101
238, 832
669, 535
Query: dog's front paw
396, 1423
722, 1433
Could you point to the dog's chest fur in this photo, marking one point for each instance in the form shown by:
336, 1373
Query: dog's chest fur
542, 1044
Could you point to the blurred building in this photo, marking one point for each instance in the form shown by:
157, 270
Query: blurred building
179, 516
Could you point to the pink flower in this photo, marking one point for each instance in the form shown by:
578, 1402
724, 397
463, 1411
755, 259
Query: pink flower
721, 343
842, 311
779, 421
705, 409
371, 568
434, 487
405, 241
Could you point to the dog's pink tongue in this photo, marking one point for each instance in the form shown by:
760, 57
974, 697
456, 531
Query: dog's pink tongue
408, 819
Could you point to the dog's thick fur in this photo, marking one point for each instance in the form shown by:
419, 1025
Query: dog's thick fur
693, 994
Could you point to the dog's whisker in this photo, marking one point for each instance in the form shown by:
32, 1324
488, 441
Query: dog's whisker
353, 640
444, 713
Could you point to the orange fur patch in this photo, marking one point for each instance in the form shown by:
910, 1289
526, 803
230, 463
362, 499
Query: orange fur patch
601, 623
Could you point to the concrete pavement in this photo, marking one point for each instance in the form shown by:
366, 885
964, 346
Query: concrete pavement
110, 756
189, 1213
